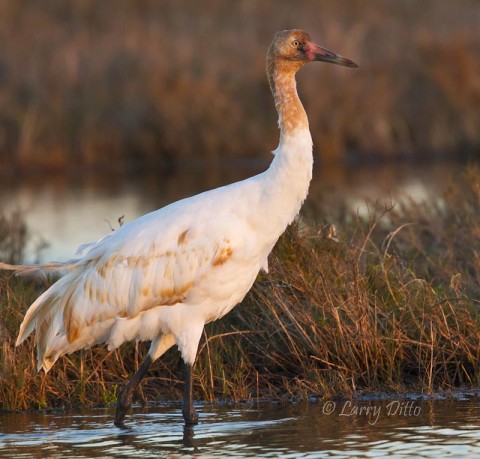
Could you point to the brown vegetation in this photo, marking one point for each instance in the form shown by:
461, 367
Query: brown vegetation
388, 301
86, 83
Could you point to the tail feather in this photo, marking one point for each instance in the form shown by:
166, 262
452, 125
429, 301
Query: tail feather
52, 314
34, 269
42, 311
51, 317
30, 319
48, 324
46, 318
45, 300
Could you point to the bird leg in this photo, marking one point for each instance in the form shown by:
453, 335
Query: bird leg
124, 399
189, 413
188, 436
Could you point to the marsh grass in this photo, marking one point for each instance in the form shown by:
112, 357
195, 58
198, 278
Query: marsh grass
166, 83
386, 300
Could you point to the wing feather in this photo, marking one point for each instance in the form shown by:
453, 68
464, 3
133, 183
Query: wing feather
124, 286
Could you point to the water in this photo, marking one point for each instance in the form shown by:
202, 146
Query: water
67, 211
342, 429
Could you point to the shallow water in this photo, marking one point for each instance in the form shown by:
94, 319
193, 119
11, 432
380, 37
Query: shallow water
341, 429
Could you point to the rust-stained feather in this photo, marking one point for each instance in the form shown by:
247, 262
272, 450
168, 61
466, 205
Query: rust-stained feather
222, 256
182, 238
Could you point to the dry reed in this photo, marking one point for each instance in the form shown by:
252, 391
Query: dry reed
166, 83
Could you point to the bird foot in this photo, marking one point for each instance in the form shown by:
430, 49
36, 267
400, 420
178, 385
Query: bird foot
190, 416
124, 401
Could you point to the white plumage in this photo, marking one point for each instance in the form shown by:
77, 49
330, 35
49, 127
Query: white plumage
166, 274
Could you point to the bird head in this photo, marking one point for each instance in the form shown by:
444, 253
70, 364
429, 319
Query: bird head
297, 47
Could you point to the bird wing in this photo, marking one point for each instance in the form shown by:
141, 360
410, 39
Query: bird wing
146, 267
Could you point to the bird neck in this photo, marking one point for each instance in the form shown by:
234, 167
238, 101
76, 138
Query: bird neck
291, 114
288, 177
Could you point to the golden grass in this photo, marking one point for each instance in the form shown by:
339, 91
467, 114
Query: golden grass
385, 302
166, 83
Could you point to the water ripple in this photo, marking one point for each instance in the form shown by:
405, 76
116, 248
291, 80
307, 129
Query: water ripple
442, 428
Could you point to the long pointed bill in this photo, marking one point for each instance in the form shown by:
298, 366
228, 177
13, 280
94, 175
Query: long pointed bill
317, 53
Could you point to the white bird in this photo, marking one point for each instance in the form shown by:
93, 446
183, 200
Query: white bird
165, 275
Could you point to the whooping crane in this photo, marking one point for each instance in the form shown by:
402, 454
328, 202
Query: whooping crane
163, 276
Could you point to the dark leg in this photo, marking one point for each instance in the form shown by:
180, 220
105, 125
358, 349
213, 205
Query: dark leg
188, 435
189, 413
124, 399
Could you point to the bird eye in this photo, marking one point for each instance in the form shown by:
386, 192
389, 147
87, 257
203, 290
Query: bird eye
295, 43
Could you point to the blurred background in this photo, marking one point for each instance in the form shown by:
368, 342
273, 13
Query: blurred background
111, 109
